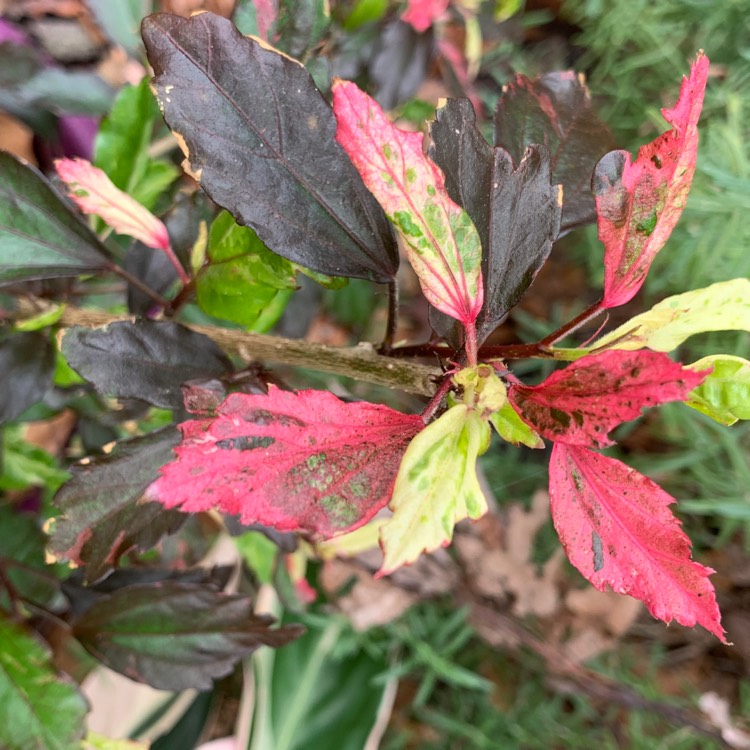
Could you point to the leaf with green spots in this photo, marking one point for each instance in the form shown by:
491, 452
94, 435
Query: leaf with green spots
580, 404
294, 461
617, 529
243, 277
639, 203
724, 306
725, 394
436, 487
441, 241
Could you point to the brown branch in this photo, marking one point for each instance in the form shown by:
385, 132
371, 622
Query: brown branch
358, 362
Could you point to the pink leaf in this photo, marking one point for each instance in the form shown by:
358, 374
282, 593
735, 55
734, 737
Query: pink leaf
580, 404
421, 14
295, 461
639, 203
442, 243
618, 531
94, 193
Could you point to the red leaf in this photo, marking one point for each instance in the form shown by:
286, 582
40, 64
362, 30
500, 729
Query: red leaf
639, 203
295, 461
617, 530
582, 403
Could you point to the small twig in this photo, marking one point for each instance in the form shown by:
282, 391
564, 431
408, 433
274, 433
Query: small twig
573, 325
163, 302
390, 328
359, 362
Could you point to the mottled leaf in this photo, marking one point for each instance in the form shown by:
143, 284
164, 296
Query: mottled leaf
442, 243
581, 403
242, 276
725, 393
617, 529
122, 144
294, 461
40, 709
724, 306
436, 487
555, 110
516, 210
639, 203
104, 515
175, 636
146, 360
27, 363
262, 146
40, 235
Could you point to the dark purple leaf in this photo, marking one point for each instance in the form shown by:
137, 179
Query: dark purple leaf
175, 636
262, 145
103, 517
555, 110
146, 360
27, 362
515, 210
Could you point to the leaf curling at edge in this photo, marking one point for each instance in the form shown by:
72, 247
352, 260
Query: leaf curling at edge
617, 530
303, 461
583, 402
639, 203
436, 487
262, 146
441, 241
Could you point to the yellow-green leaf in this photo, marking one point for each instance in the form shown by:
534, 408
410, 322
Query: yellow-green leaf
724, 306
436, 487
725, 394
513, 429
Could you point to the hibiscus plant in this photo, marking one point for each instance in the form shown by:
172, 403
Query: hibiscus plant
336, 191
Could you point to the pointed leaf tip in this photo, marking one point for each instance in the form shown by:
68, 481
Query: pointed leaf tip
442, 243
617, 530
94, 193
639, 203
582, 403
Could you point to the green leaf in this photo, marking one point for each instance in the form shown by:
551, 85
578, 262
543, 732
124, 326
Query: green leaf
513, 429
22, 541
724, 306
39, 708
175, 636
103, 516
365, 11
436, 487
120, 21
121, 147
26, 465
40, 235
725, 394
262, 145
243, 277
310, 695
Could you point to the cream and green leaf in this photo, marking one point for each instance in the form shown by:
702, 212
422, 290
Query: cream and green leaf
436, 487
725, 394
